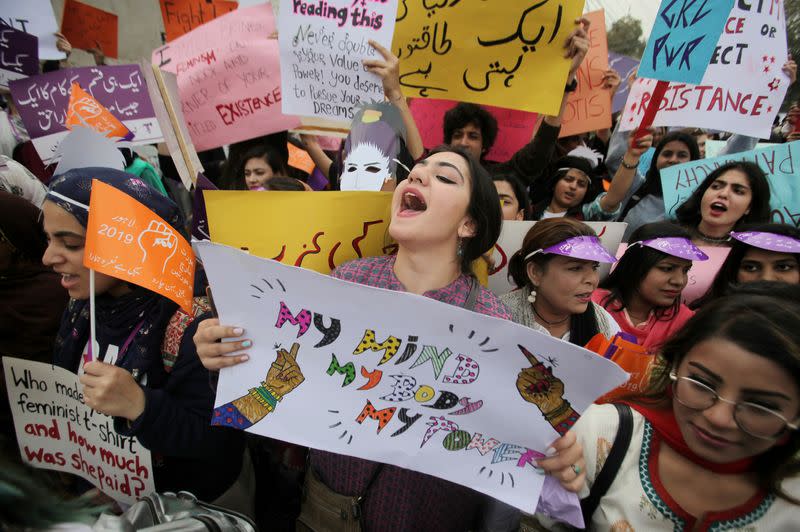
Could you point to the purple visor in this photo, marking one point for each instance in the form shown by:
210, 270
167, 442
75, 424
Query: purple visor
768, 241
683, 248
579, 247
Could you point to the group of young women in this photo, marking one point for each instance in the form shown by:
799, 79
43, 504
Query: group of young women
712, 443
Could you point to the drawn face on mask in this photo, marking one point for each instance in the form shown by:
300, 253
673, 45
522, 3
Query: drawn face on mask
365, 168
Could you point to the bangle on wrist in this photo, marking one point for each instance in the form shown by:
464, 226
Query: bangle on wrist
632, 166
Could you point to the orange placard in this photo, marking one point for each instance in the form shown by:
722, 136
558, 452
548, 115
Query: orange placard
126, 240
85, 111
86, 27
182, 16
631, 357
589, 107
300, 159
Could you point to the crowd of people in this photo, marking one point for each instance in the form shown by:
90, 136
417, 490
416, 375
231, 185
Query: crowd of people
711, 444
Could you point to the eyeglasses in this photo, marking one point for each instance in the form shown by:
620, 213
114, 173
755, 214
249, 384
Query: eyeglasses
755, 420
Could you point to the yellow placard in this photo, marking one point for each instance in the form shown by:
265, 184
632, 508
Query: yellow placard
318, 230
494, 52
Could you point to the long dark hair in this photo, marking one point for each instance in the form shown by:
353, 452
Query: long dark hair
520, 192
689, 214
483, 208
564, 165
542, 235
727, 276
634, 266
762, 318
261, 151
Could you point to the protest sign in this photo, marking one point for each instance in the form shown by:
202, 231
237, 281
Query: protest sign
318, 231
300, 159
714, 147
646, 160
126, 240
322, 46
200, 229
514, 128
779, 161
625, 66
182, 16
37, 18
349, 379
589, 107
56, 430
42, 102
163, 90
703, 273
683, 39
510, 241
743, 87
19, 55
228, 78
86, 148
495, 52
87, 27
85, 111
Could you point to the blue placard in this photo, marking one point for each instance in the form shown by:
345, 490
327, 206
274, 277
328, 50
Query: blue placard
781, 163
683, 39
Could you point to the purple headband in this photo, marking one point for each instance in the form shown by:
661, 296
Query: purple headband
768, 241
674, 245
579, 247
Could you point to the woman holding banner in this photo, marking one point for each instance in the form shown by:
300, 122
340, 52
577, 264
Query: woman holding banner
555, 271
713, 443
759, 252
736, 193
444, 216
643, 293
168, 409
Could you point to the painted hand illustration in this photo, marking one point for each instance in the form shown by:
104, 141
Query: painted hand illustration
539, 386
283, 376
160, 241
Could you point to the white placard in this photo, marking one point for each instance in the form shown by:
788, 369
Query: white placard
37, 18
396, 377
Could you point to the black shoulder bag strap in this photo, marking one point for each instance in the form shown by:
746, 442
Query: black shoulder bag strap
609, 472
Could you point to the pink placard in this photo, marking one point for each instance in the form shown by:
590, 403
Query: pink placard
230, 87
515, 127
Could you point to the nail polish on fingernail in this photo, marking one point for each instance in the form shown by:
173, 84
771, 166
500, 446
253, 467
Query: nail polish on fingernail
238, 331
550, 452
247, 343
244, 358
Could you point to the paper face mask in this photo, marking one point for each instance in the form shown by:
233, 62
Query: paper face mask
365, 168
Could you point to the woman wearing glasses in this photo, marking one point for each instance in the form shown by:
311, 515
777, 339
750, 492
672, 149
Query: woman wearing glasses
714, 441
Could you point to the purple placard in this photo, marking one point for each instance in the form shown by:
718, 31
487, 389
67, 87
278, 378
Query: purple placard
19, 55
42, 103
625, 66
200, 229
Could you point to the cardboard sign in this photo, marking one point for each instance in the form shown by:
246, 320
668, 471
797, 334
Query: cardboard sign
228, 78
319, 231
702, 274
589, 107
43, 102
126, 240
85, 111
37, 18
19, 55
683, 39
743, 87
714, 147
322, 45
182, 16
300, 159
515, 128
87, 27
512, 235
625, 66
398, 378
779, 161
57, 431
494, 52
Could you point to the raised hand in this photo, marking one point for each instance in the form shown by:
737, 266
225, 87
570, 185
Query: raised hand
539, 386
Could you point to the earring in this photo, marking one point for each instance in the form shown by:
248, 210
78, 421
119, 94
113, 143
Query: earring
532, 297
460, 248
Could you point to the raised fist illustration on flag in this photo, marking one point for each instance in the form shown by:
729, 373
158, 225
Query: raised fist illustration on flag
160, 241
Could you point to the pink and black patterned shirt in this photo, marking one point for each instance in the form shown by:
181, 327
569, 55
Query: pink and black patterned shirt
401, 499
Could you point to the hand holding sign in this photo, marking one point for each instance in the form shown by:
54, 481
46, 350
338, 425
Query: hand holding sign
112, 391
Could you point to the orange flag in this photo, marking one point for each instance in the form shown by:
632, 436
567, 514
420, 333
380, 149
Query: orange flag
126, 240
300, 159
85, 111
